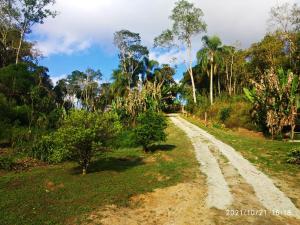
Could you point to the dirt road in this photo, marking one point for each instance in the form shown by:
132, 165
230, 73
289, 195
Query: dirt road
230, 190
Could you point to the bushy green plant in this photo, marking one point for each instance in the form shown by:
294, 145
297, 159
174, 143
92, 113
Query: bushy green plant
6, 162
50, 148
80, 136
84, 133
294, 156
150, 129
224, 114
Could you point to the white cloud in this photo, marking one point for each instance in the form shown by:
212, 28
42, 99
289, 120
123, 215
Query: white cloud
84, 23
57, 78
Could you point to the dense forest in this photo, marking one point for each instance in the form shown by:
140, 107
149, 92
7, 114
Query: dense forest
256, 88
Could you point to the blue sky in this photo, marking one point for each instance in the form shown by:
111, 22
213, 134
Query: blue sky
81, 35
94, 57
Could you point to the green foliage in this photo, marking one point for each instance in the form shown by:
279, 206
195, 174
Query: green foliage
294, 156
249, 94
224, 114
150, 129
6, 163
50, 148
80, 136
125, 139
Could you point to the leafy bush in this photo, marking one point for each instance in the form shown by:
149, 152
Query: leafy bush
85, 132
294, 156
50, 149
125, 139
224, 114
6, 162
150, 129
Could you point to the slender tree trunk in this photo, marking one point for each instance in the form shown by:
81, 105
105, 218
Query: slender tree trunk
193, 86
231, 75
227, 79
19, 47
293, 131
219, 85
211, 84
191, 71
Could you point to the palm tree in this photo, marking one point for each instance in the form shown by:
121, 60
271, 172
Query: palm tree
209, 57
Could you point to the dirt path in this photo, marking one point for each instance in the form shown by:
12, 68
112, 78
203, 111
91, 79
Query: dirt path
229, 190
267, 193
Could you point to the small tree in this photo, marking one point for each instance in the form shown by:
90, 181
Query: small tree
84, 133
150, 129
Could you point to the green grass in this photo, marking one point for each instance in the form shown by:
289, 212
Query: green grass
268, 155
25, 198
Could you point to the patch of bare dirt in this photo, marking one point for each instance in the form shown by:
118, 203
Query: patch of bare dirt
149, 160
287, 185
176, 205
51, 186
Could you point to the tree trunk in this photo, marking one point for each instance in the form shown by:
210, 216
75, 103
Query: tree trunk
231, 75
83, 171
211, 84
219, 85
293, 132
191, 71
19, 47
145, 148
193, 86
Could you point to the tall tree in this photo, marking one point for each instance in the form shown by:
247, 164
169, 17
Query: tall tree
131, 55
28, 13
187, 22
209, 57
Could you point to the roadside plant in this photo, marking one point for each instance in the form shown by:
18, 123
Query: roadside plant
274, 101
150, 128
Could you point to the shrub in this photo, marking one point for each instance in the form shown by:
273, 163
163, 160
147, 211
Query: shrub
6, 162
150, 129
125, 139
50, 149
84, 133
224, 114
294, 156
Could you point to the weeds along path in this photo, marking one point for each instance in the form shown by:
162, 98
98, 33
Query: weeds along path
219, 194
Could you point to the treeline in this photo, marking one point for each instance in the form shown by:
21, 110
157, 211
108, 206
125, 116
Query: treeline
267, 72
79, 115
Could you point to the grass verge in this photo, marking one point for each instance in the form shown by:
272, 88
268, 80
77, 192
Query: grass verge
268, 155
58, 194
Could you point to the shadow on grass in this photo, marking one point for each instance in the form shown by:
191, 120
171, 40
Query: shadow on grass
155, 148
110, 164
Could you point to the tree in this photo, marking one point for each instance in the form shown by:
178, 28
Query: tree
131, 55
84, 86
285, 20
28, 13
150, 129
187, 22
210, 57
285, 17
83, 133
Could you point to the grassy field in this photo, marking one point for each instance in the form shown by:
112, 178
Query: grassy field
270, 156
58, 194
